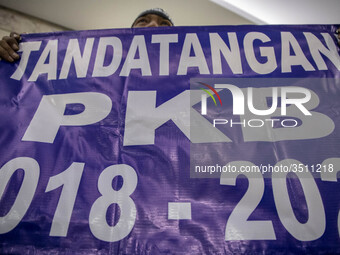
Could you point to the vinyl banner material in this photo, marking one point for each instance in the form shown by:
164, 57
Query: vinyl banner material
175, 140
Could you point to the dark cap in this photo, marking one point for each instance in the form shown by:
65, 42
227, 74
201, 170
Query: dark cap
157, 11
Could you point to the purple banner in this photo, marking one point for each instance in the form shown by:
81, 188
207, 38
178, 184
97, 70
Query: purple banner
176, 140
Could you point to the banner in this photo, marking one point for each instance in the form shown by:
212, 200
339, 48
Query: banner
175, 140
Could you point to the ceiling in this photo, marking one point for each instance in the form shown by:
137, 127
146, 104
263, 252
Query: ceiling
285, 11
98, 14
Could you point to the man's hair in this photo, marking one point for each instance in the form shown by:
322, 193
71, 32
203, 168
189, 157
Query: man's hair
157, 11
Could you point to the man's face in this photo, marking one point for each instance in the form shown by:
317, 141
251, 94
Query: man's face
152, 20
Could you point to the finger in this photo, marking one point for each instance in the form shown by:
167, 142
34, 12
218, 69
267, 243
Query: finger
4, 55
15, 35
7, 49
337, 32
13, 43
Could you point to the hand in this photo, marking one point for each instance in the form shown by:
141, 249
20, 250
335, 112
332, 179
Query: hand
8, 47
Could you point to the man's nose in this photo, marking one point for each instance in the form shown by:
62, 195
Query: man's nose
152, 23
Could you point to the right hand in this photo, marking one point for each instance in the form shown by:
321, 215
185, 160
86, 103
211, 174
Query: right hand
9, 45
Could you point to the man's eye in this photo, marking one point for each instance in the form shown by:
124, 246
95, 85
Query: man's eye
141, 21
165, 23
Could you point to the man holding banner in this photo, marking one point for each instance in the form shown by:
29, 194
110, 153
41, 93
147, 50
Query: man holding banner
180, 140
155, 17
